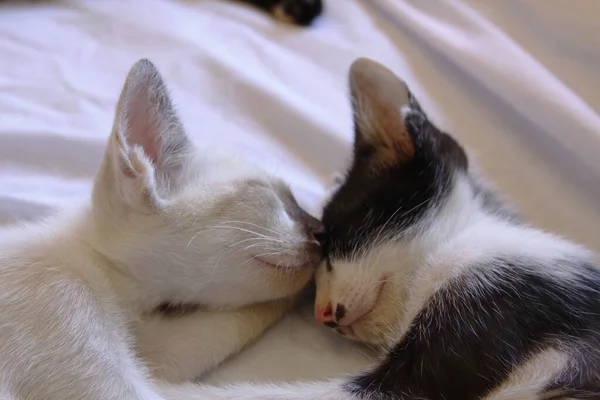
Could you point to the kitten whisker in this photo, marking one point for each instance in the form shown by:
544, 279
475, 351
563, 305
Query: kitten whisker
247, 231
265, 245
264, 254
192, 239
214, 268
255, 225
245, 240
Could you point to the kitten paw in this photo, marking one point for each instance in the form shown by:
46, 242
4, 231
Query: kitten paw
300, 12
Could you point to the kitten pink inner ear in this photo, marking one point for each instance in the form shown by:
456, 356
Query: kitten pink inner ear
142, 126
145, 116
380, 100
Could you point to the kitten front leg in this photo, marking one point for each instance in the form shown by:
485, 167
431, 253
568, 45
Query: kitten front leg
327, 390
182, 348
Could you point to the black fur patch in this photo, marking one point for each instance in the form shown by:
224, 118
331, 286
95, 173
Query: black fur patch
370, 205
474, 331
340, 312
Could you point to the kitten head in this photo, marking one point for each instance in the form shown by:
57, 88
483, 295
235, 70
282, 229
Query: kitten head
190, 225
378, 222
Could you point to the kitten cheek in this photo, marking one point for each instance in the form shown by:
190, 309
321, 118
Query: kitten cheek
374, 330
287, 282
382, 324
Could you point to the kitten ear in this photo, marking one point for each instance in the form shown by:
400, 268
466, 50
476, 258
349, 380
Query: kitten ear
381, 101
148, 146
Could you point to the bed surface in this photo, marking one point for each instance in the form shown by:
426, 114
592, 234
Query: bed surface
516, 81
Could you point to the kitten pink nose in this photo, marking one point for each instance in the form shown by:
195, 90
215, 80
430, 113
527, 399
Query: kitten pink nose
327, 316
324, 314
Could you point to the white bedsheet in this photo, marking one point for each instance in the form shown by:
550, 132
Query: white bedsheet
517, 81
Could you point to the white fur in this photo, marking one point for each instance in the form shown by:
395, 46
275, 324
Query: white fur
182, 348
165, 223
247, 391
532, 377
525, 383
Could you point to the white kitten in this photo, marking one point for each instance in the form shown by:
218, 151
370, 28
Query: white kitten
167, 224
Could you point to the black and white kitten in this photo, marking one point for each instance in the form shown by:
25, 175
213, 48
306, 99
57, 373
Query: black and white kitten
299, 12
422, 258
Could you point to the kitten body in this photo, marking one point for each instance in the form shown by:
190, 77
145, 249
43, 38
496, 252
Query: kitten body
423, 259
166, 224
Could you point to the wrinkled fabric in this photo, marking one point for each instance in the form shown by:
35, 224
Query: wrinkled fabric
516, 81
